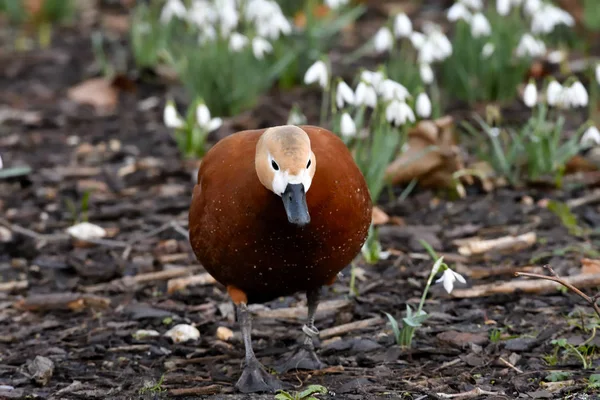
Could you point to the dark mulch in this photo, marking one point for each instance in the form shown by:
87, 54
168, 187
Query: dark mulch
138, 183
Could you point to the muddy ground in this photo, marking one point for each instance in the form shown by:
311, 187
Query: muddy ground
82, 304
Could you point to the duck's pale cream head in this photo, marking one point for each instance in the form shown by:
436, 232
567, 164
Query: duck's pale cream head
285, 164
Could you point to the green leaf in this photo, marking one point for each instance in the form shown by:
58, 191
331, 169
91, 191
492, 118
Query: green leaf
594, 378
558, 376
312, 389
395, 327
283, 396
560, 342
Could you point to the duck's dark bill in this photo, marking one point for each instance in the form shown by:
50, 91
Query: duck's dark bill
294, 202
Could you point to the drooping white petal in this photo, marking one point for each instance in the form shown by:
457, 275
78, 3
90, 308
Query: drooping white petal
260, 47
402, 26
383, 40
317, 73
553, 92
172, 8
214, 124
488, 49
458, 11
365, 95
448, 278
580, 94
389, 90
426, 73
530, 95
202, 115
334, 4
591, 137
347, 125
598, 74
503, 7
423, 105
171, 117
237, 41
480, 26
344, 95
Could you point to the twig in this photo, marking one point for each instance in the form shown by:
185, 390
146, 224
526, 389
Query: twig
13, 285
167, 225
196, 391
509, 365
471, 394
296, 313
142, 278
352, 326
532, 286
587, 199
176, 284
566, 283
448, 364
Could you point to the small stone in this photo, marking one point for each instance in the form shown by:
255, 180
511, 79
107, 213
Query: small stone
224, 333
463, 339
85, 230
41, 370
6, 235
145, 333
182, 333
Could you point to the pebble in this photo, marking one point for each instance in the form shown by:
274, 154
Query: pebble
182, 333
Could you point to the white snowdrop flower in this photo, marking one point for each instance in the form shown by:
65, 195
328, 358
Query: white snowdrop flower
532, 6
182, 333
530, 95
546, 18
426, 73
202, 14
228, 16
436, 47
392, 90
204, 120
448, 278
473, 4
207, 34
383, 40
260, 47
579, 94
556, 57
319, 73
273, 27
553, 92
171, 117
423, 105
591, 137
503, 7
1, 165
333, 4
296, 116
365, 95
237, 41
373, 78
347, 126
457, 12
488, 49
86, 231
529, 46
417, 39
494, 131
598, 74
402, 26
480, 26
344, 95
172, 8
398, 112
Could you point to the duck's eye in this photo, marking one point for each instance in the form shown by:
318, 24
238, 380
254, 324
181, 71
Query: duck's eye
308, 165
274, 165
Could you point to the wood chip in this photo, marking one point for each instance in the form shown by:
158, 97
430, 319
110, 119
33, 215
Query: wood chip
195, 280
62, 301
506, 243
196, 391
13, 286
526, 286
350, 327
298, 313
131, 281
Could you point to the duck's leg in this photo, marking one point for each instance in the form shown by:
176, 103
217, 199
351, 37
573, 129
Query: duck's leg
305, 357
254, 377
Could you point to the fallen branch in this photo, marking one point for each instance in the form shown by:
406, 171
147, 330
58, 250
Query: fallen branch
511, 366
512, 243
130, 281
13, 286
62, 301
176, 284
196, 391
350, 327
568, 283
542, 285
471, 394
298, 313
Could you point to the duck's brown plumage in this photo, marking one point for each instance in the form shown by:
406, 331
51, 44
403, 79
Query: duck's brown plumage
239, 230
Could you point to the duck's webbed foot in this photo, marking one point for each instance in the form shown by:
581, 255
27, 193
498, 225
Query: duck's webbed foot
255, 379
305, 357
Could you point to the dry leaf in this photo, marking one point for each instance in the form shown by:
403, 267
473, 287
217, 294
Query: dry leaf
590, 266
431, 156
379, 216
97, 92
